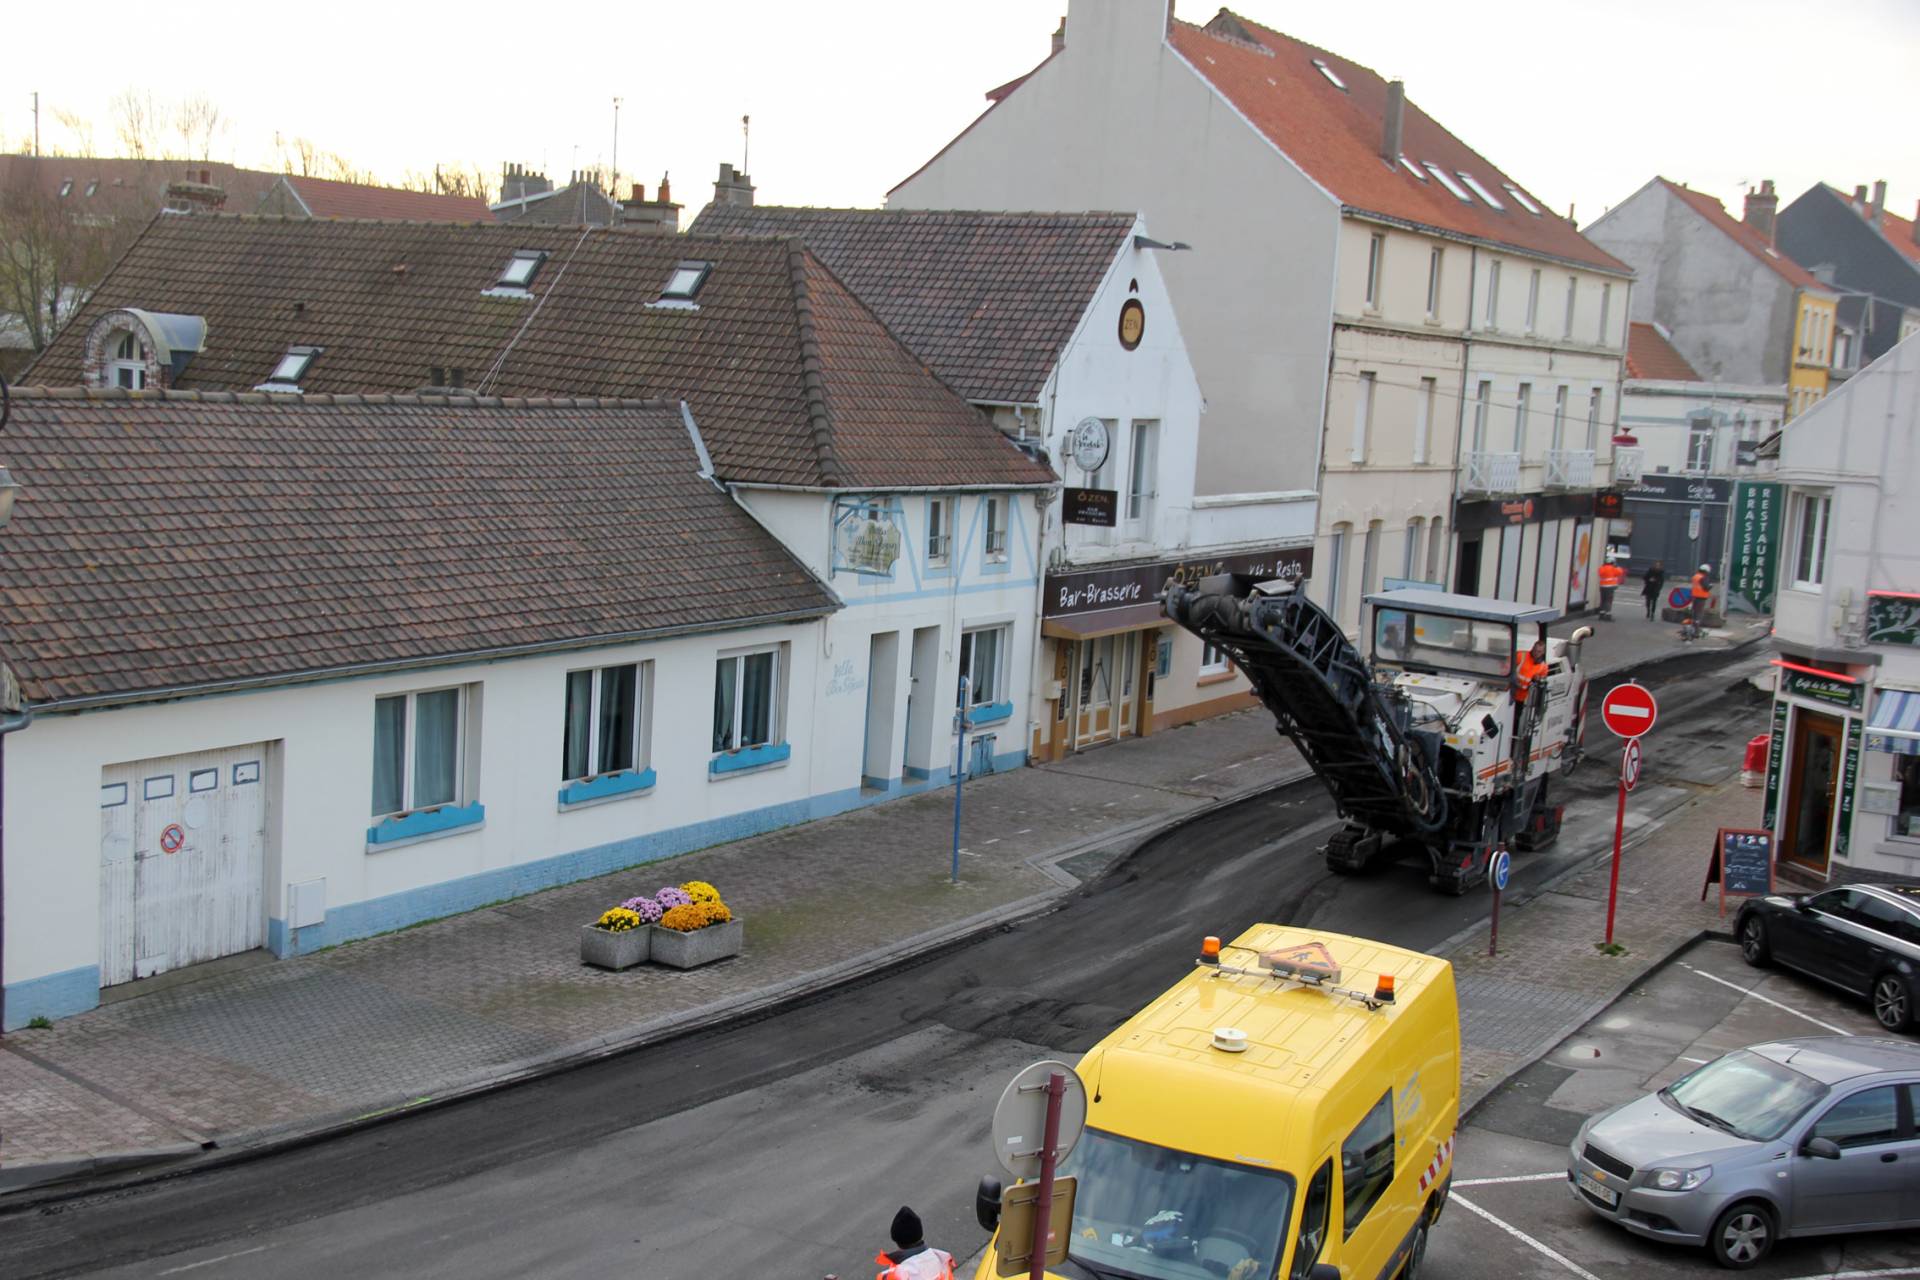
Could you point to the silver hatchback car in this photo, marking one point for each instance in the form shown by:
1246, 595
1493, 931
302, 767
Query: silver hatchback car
1800, 1137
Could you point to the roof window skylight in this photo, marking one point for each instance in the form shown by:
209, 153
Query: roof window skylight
1446, 180
93, 186
521, 268
1413, 168
686, 280
1525, 202
66, 188
1481, 191
292, 367
1333, 77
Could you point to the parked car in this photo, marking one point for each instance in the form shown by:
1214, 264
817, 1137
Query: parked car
1863, 938
1806, 1137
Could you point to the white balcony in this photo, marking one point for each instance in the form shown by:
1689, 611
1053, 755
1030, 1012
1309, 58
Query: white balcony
1569, 468
1482, 472
1628, 463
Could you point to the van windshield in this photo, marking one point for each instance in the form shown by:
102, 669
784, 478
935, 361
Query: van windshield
1438, 642
1159, 1214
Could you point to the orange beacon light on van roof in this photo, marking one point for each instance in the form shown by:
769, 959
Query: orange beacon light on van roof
1210, 949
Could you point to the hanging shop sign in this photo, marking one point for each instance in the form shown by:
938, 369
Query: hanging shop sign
1609, 504
1117, 588
1814, 688
1532, 510
1692, 490
1099, 507
1756, 552
1089, 444
866, 537
1776, 753
1133, 323
1893, 617
1849, 784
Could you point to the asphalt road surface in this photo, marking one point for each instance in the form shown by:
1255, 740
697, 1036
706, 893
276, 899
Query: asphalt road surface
782, 1146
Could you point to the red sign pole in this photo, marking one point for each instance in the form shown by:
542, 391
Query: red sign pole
1619, 828
1043, 1200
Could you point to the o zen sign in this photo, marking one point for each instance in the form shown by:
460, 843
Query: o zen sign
1628, 711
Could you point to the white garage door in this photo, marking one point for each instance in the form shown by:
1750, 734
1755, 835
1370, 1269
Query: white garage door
182, 860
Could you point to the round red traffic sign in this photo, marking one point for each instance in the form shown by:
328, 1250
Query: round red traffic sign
1630, 763
172, 838
1628, 710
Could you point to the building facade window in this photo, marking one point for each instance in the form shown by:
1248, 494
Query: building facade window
746, 699
1214, 660
1376, 264
1700, 445
1143, 470
1573, 296
1604, 336
1812, 514
1493, 294
1522, 407
1533, 300
1559, 418
603, 725
1436, 548
1482, 405
939, 532
1336, 566
1410, 560
128, 369
1362, 418
1370, 560
994, 524
981, 653
1434, 260
1593, 418
419, 750
1423, 419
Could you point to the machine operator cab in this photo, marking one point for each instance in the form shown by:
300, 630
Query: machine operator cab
1440, 633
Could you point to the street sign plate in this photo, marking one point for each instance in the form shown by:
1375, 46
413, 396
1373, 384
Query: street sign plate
1500, 870
1628, 710
1630, 763
1013, 1245
1020, 1121
1308, 962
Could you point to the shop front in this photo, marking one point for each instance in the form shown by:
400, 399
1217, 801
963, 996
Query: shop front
1537, 549
1814, 764
1113, 667
1679, 520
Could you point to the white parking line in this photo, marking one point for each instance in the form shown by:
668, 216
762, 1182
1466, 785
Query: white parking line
1695, 1061
1518, 1177
207, 1262
1526, 1239
1862, 1275
1710, 977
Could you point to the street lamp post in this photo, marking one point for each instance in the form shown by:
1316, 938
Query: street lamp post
959, 771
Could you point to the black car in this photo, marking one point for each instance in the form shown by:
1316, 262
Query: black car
1864, 939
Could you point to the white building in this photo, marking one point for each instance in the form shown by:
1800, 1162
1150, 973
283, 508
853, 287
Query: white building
1843, 784
1372, 307
1060, 326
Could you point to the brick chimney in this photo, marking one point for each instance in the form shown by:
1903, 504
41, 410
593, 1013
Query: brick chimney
1860, 198
1060, 34
733, 188
195, 197
1396, 119
660, 214
1916, 223
1879, 202
1760, 208
519, 182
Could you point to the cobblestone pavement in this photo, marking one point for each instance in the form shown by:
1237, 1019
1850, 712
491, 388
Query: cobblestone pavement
374, 1024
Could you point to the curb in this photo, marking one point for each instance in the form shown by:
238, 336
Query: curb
237, 1147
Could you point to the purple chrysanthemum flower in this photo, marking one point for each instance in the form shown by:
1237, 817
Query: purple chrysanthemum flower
649, 910
672, 896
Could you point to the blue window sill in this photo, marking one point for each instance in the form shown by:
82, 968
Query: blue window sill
606, 787
988, 713
749, 758
428, 822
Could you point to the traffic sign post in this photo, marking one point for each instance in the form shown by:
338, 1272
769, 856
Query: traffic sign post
1628, 711
1498, 870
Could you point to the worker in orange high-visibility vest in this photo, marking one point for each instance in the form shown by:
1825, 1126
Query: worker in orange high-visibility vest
912, 1258
1611, 576
1702, 593
1530, 667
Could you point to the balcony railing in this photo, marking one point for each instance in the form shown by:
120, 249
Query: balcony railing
1569, 468
1628, 463
1482, 472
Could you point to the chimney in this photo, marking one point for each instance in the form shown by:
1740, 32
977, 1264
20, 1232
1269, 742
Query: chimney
666, 195
733, 188
1761, 206
1396, 121
195, 197
1916, 224
639, 194
1860, 197
1060, 34
1879, 202
659, 214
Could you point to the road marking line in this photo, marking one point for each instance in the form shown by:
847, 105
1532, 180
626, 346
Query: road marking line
1518, 1177
1685, 1058
1839, 1031
1526, 1239
1862, 1275
207, 1262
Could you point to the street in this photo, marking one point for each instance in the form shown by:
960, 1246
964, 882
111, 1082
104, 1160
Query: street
782, 1146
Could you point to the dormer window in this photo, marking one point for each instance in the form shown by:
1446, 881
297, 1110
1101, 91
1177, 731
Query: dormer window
686, 281
1482, 192
1333, 77
292, 367
128, 368
520, 270
93, 186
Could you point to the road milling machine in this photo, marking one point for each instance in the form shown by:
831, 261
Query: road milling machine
1424, 743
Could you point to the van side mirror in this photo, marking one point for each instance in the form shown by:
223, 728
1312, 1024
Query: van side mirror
986, 1203
1821, 1149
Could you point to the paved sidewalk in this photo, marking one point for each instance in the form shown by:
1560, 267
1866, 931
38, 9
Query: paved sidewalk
1630, 640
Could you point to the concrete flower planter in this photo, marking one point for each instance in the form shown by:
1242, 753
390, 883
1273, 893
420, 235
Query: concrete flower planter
624, 950
679, 950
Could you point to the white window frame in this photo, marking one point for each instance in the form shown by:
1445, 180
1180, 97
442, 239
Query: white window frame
409, 737
521, 270
1606, 313
1523, 406
1493, 293
1436, 547
967, 663
1593, 418
1473, 183
1818, 505
1533, 301
1214, 661
1143, 472
129, 358
1410, 553
1560, 417
939, 533
1336, 564
1482, 405
1376, 264
1700, 433
1362, 416
776, 694
1370, 558
1573, 303
1435, 261
993, 528
642, 720
1423, 419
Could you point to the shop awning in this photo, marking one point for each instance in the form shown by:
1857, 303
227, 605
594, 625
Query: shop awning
1895, 725
1104, 622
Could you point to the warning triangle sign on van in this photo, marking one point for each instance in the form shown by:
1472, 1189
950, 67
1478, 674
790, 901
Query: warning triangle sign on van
1309, 962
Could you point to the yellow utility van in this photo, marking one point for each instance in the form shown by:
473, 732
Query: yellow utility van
1286, 1110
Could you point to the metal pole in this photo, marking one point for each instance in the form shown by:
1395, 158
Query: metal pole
1493, 941
959, 771
1619, 826
613, 179
1043, 1200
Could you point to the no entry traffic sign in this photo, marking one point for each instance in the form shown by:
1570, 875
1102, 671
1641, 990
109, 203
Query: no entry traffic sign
1630, 763
1628, 710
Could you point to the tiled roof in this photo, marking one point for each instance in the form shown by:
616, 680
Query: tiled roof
387, 302
1651, 356
167, 541
325, 198
1743, 235
580, 204
989, 300
1897, 230
1336, 136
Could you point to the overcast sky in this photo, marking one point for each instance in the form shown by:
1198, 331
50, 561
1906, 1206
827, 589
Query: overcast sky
1579, 101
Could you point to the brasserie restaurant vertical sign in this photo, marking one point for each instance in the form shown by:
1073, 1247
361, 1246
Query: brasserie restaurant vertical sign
1756, 551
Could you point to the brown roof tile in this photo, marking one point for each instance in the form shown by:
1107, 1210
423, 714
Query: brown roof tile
989, 300
169, 540
1651, 356
325, 198
387, 302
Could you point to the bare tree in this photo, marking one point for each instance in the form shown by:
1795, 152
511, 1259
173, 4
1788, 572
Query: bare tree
50, 260
198, 122
136, 120
452, 180
78, 128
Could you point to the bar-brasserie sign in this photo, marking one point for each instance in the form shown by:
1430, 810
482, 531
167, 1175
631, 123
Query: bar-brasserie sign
1116, 588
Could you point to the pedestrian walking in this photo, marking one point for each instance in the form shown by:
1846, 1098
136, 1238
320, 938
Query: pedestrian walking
1611, 576
911, 1257
1652, 583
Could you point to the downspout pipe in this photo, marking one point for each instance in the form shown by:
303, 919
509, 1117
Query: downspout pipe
11, 722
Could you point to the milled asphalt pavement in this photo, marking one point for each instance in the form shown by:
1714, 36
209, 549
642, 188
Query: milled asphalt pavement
247, 1054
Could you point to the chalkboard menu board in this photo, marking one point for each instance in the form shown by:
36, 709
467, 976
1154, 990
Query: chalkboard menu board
1741, 863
